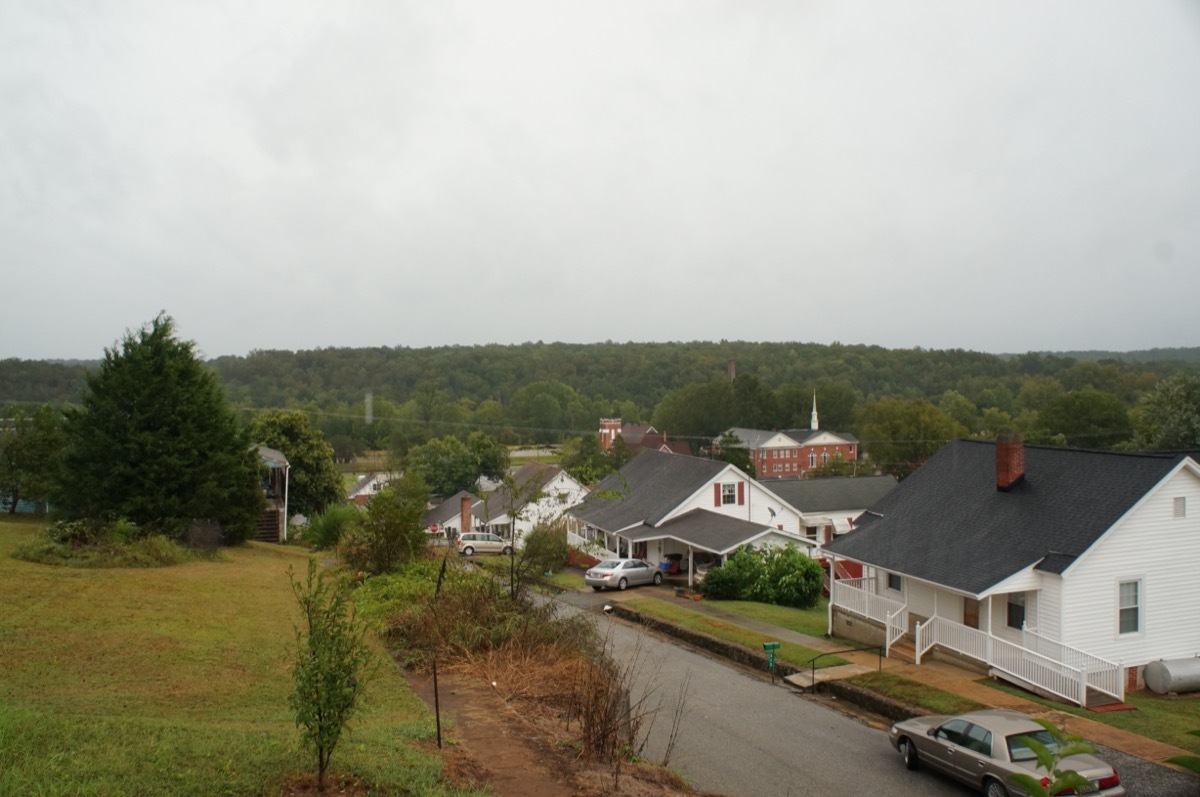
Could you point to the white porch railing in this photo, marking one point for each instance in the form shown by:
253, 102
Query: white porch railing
896, 624
1102, 675
1061, 678
850, 595
594, 547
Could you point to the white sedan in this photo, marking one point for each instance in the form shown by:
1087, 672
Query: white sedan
622, 573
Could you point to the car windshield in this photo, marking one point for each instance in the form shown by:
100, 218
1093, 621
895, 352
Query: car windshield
1019, 751
610, 564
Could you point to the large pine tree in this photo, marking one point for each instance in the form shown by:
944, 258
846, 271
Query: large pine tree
156, 442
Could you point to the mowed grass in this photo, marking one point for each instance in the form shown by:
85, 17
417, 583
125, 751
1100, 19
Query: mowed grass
1166, 719
175, 681
789, 652
813, 622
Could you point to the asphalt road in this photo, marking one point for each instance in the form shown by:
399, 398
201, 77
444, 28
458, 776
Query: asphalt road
743, 736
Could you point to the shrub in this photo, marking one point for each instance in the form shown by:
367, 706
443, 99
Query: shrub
780, 576
325, 531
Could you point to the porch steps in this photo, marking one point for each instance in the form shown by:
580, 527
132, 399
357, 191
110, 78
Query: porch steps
904, 649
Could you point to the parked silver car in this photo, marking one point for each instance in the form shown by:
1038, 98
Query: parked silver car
474, 542
982, 748
622, 573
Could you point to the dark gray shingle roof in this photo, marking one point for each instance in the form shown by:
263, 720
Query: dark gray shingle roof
652, 484
948, 524
826, 495
700, 528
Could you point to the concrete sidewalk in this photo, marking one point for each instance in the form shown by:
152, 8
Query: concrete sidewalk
935, 674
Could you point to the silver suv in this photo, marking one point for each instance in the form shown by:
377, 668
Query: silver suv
481, 542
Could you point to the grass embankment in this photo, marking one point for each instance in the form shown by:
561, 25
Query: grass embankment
790, 652
174, 681
932, 699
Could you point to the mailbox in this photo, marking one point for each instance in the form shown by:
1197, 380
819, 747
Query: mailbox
770, 648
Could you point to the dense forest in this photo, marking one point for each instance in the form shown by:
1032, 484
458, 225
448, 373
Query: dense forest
393, 398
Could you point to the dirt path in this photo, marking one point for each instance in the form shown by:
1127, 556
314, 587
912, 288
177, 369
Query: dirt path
497, 745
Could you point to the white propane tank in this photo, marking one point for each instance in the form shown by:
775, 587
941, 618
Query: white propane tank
1173, 675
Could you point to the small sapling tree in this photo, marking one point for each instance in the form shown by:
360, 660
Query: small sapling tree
1056, 781
332, 664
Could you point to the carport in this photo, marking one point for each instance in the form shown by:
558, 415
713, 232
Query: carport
706, 532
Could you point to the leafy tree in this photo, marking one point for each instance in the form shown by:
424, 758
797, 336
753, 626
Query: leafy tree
900, 434
314, 483
619, 453
448, 465
583, 458
1168, 417
731, 449
1037, 392
543, 550
1088, 419
754, 404
391, 533
1059, 781
490, 457
697, 410
155, 442
333, 663
30, 453
960, 408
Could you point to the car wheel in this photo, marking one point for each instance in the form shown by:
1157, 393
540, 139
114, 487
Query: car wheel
468, 551
657, 579
597, 589
908, 752
994, 788
623, 583
507, 550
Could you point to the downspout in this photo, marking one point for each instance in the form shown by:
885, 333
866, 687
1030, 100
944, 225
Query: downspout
832, 586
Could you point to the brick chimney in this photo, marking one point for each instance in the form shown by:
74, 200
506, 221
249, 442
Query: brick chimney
1010, 460
464, 514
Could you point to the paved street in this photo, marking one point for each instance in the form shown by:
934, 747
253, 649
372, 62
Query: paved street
744, 737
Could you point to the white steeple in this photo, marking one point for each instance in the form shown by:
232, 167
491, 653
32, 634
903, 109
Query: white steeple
813, 423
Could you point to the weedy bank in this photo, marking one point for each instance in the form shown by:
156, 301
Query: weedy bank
175, 680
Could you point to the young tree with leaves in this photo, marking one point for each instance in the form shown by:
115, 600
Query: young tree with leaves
30, 454
333, 663
155, 442
391, 532
314, 483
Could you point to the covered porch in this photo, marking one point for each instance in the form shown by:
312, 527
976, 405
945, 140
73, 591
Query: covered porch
992, 632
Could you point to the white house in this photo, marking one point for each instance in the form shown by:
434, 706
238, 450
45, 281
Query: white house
538, 494
1059, 569
663, 504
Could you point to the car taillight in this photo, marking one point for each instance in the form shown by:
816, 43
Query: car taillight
1109, 782
1046, 782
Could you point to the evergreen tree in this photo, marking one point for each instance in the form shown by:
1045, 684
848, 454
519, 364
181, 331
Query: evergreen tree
30, 452
155, 442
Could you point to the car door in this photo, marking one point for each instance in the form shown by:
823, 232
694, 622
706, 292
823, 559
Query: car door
947, 748
975, 759
638, 572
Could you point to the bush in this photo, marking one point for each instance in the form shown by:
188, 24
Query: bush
325, 531
121, 543
780, 576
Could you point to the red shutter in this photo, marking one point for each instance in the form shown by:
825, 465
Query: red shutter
741, 493
716, 495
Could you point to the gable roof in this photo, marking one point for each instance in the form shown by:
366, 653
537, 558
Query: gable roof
529, 480
709, 531
757, 438
948, 524
826, 495
451, 509
648, 488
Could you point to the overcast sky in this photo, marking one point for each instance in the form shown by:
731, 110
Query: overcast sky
1003, 177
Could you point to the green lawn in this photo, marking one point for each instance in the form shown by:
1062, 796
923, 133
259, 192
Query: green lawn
1167, 719
937, 701
665, 610
174, 681
814, 621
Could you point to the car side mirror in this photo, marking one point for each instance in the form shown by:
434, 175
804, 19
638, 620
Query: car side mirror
933, 731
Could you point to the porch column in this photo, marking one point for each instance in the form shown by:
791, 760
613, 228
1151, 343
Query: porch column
690, 568
832, 586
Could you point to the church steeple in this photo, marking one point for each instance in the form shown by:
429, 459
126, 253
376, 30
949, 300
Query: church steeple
813, 423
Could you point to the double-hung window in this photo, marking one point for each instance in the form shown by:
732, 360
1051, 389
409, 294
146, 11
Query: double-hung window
1129, 607
729, 493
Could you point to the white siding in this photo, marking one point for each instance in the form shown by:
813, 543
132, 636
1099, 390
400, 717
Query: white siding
755, 508
1161, 551
1049, 619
